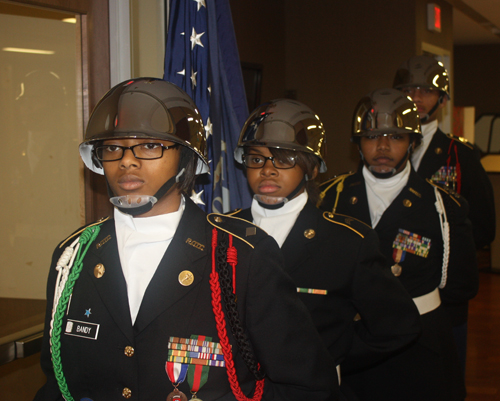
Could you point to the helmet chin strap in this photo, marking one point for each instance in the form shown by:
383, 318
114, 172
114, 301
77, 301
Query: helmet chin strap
393, 171
425, 118
276, 202
135, 205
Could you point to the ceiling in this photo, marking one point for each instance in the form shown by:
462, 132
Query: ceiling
475, 21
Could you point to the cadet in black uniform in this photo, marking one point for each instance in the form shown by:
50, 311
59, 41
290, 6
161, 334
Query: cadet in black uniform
360, 309
426, 238
450, 161
161, 300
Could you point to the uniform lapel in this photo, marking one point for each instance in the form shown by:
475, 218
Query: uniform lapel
188, 251
406, 203
356, 203
111, 287
297, 246
435, 155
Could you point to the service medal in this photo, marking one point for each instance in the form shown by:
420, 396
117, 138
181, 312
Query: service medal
396, 269
177, 395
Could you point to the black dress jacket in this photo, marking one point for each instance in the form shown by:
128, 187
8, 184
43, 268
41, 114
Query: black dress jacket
124, 356
429, 369
448, 150
361, 310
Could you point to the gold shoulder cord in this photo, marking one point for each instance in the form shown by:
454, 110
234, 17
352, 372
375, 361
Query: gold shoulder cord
340, 188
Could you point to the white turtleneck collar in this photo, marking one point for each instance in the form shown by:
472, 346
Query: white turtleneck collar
428, 131
142, 242
382, 191
279, 222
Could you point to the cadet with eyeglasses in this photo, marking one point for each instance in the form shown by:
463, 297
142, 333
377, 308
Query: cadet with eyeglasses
361, 311
161, 301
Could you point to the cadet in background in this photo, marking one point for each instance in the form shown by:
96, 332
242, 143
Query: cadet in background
450, 161
426, 238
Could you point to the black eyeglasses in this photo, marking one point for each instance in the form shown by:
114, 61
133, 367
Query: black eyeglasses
144, 151
258, 161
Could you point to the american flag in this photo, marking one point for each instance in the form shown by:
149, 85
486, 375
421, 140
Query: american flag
202, 58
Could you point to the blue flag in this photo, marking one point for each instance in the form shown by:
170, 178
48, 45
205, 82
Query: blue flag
202, 58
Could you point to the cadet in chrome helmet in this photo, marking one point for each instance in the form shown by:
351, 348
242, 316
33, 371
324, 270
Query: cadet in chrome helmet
427, 242
386, 129
333, 260
294, 137
426, 82
448, 160
128, 294
152, 116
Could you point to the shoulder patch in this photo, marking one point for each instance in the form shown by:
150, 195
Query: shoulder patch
453, 195
461, 140
79, 231
349, 222
242, 229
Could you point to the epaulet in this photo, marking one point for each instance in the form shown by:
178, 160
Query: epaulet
452, 194
460, 139
233, 212
242, 229
82, 229
349, 222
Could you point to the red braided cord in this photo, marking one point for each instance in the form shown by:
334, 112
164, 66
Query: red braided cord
457, 165
221, 331
232, 259
459, 172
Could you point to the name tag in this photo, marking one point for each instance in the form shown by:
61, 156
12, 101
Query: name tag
82, 329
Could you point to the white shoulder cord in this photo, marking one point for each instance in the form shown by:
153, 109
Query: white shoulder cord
64, 265
445, 230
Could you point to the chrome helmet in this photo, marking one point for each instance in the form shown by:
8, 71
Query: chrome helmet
284, 124
145, 108
424, 72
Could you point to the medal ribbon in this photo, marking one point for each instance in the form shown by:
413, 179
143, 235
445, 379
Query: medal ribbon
176, 372
198, 374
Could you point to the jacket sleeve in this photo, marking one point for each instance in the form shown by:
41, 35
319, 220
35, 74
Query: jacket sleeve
388, 318
462, 275
286, 343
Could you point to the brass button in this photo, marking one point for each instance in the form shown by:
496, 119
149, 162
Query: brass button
99, 270
218, 219
129, 351
438, 151
407, 203
309, 233
186, 278
353, 200
126, 393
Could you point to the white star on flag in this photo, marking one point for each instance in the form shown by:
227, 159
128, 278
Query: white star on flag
208, 127
193, 78
200, 4
196, 197
196, 39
